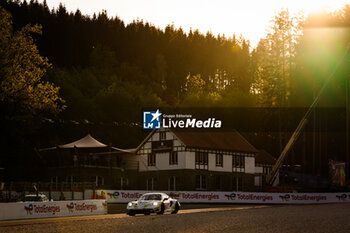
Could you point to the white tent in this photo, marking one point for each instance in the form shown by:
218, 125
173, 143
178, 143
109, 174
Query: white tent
87, 142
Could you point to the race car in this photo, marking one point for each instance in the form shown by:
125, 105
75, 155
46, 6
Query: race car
148, 203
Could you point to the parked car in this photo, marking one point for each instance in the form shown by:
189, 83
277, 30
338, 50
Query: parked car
153, 203
35, 198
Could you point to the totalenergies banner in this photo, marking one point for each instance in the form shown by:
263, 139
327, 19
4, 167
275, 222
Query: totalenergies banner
22, 210
124, 196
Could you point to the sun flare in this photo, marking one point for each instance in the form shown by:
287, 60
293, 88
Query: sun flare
250, 18
313, 6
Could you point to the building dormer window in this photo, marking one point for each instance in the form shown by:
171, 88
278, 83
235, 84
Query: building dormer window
202, 158
266, 170
151, 159
219, 160
238, 161
173, 158
162, 136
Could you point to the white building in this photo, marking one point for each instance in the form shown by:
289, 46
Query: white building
197, 160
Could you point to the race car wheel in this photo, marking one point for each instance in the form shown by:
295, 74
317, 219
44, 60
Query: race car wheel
176, 209
131, 213
161, 211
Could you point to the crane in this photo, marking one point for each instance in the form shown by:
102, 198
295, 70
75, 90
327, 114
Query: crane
271, 177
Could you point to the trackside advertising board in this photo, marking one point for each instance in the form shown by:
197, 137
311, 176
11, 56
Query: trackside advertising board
52, 209
124, 196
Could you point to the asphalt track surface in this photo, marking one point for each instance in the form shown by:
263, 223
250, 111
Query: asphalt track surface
259, 218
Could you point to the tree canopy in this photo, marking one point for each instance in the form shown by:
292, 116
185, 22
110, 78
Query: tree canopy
22, 88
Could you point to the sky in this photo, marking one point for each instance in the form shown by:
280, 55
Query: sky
251, 18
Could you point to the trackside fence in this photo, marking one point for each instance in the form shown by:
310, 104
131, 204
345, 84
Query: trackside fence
24, 210
124, 196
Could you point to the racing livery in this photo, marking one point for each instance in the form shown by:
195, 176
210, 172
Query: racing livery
153, 203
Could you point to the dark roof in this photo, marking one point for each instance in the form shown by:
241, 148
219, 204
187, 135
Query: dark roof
264, 157
217, 140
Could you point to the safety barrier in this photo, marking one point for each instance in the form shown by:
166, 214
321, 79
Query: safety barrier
23, 210
124, 196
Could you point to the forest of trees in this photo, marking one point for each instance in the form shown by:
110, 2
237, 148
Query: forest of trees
98, 70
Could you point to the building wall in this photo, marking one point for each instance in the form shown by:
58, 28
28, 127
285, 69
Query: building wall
162, 161
258, 169
185, 171
162, 158
227, 163
186, 159
190, 159
249, 165
186, 180
155, 136
211, 162
143, 162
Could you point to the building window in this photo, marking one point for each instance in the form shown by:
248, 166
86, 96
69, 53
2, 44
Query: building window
172, 183
70, 180
162, 136
202, 158
237, 183
258, 181
151, 159
123, 182
238, 161
219, 160
151, 183
266, 170
201, 182
173, 158
218, 182
98, 180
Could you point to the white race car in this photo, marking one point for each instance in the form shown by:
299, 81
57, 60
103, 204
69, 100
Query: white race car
153, 203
